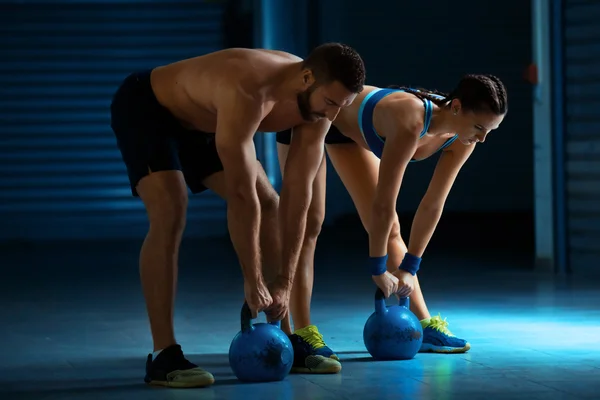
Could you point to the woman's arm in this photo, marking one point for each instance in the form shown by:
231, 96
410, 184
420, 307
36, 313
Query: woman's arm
431, 206
405, 123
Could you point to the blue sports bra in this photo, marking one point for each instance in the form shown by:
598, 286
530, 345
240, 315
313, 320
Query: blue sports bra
365, 121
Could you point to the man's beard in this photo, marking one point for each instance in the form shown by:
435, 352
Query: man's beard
304, 106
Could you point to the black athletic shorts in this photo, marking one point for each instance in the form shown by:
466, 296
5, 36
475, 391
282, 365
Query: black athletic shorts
150, 138
334, 136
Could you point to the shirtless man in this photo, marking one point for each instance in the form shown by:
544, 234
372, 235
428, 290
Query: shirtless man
370, 145
192, 123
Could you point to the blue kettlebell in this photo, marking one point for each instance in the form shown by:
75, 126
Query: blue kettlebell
260, 352
392, 332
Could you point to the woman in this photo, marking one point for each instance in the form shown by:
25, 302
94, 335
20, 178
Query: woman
370, 145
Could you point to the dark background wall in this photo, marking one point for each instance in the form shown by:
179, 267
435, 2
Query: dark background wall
431, 44
579, 137
61, 173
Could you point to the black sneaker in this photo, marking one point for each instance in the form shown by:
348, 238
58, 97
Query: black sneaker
171, 369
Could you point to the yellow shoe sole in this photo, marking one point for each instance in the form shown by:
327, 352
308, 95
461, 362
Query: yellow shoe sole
327, 366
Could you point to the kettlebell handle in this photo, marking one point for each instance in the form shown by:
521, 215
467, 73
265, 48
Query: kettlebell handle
380, 302
246, 319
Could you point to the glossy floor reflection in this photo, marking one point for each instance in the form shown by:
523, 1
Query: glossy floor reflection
74, 327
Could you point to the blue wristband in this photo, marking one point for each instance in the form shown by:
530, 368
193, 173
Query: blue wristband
377, 265
410, 263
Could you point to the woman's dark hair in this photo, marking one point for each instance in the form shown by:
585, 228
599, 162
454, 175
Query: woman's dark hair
476, 93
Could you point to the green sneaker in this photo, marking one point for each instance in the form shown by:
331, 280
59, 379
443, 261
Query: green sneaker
311, 354
437, 338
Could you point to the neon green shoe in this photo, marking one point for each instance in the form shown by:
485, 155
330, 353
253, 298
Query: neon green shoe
311, 354
437, 338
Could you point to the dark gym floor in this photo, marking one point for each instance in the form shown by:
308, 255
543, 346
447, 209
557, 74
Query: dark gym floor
74, 322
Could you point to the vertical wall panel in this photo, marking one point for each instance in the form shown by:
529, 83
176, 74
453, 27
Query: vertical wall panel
279, 25
582, 131
61, 175
545, 251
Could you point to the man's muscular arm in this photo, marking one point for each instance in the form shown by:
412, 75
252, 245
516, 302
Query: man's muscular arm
304, 158
239, 116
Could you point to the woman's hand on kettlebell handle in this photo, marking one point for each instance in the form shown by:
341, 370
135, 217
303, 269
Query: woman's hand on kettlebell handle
406, 283
387, 282
257, 296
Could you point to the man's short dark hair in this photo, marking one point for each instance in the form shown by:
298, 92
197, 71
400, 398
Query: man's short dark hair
337, 62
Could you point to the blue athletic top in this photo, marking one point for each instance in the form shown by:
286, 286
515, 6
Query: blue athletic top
365, 121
